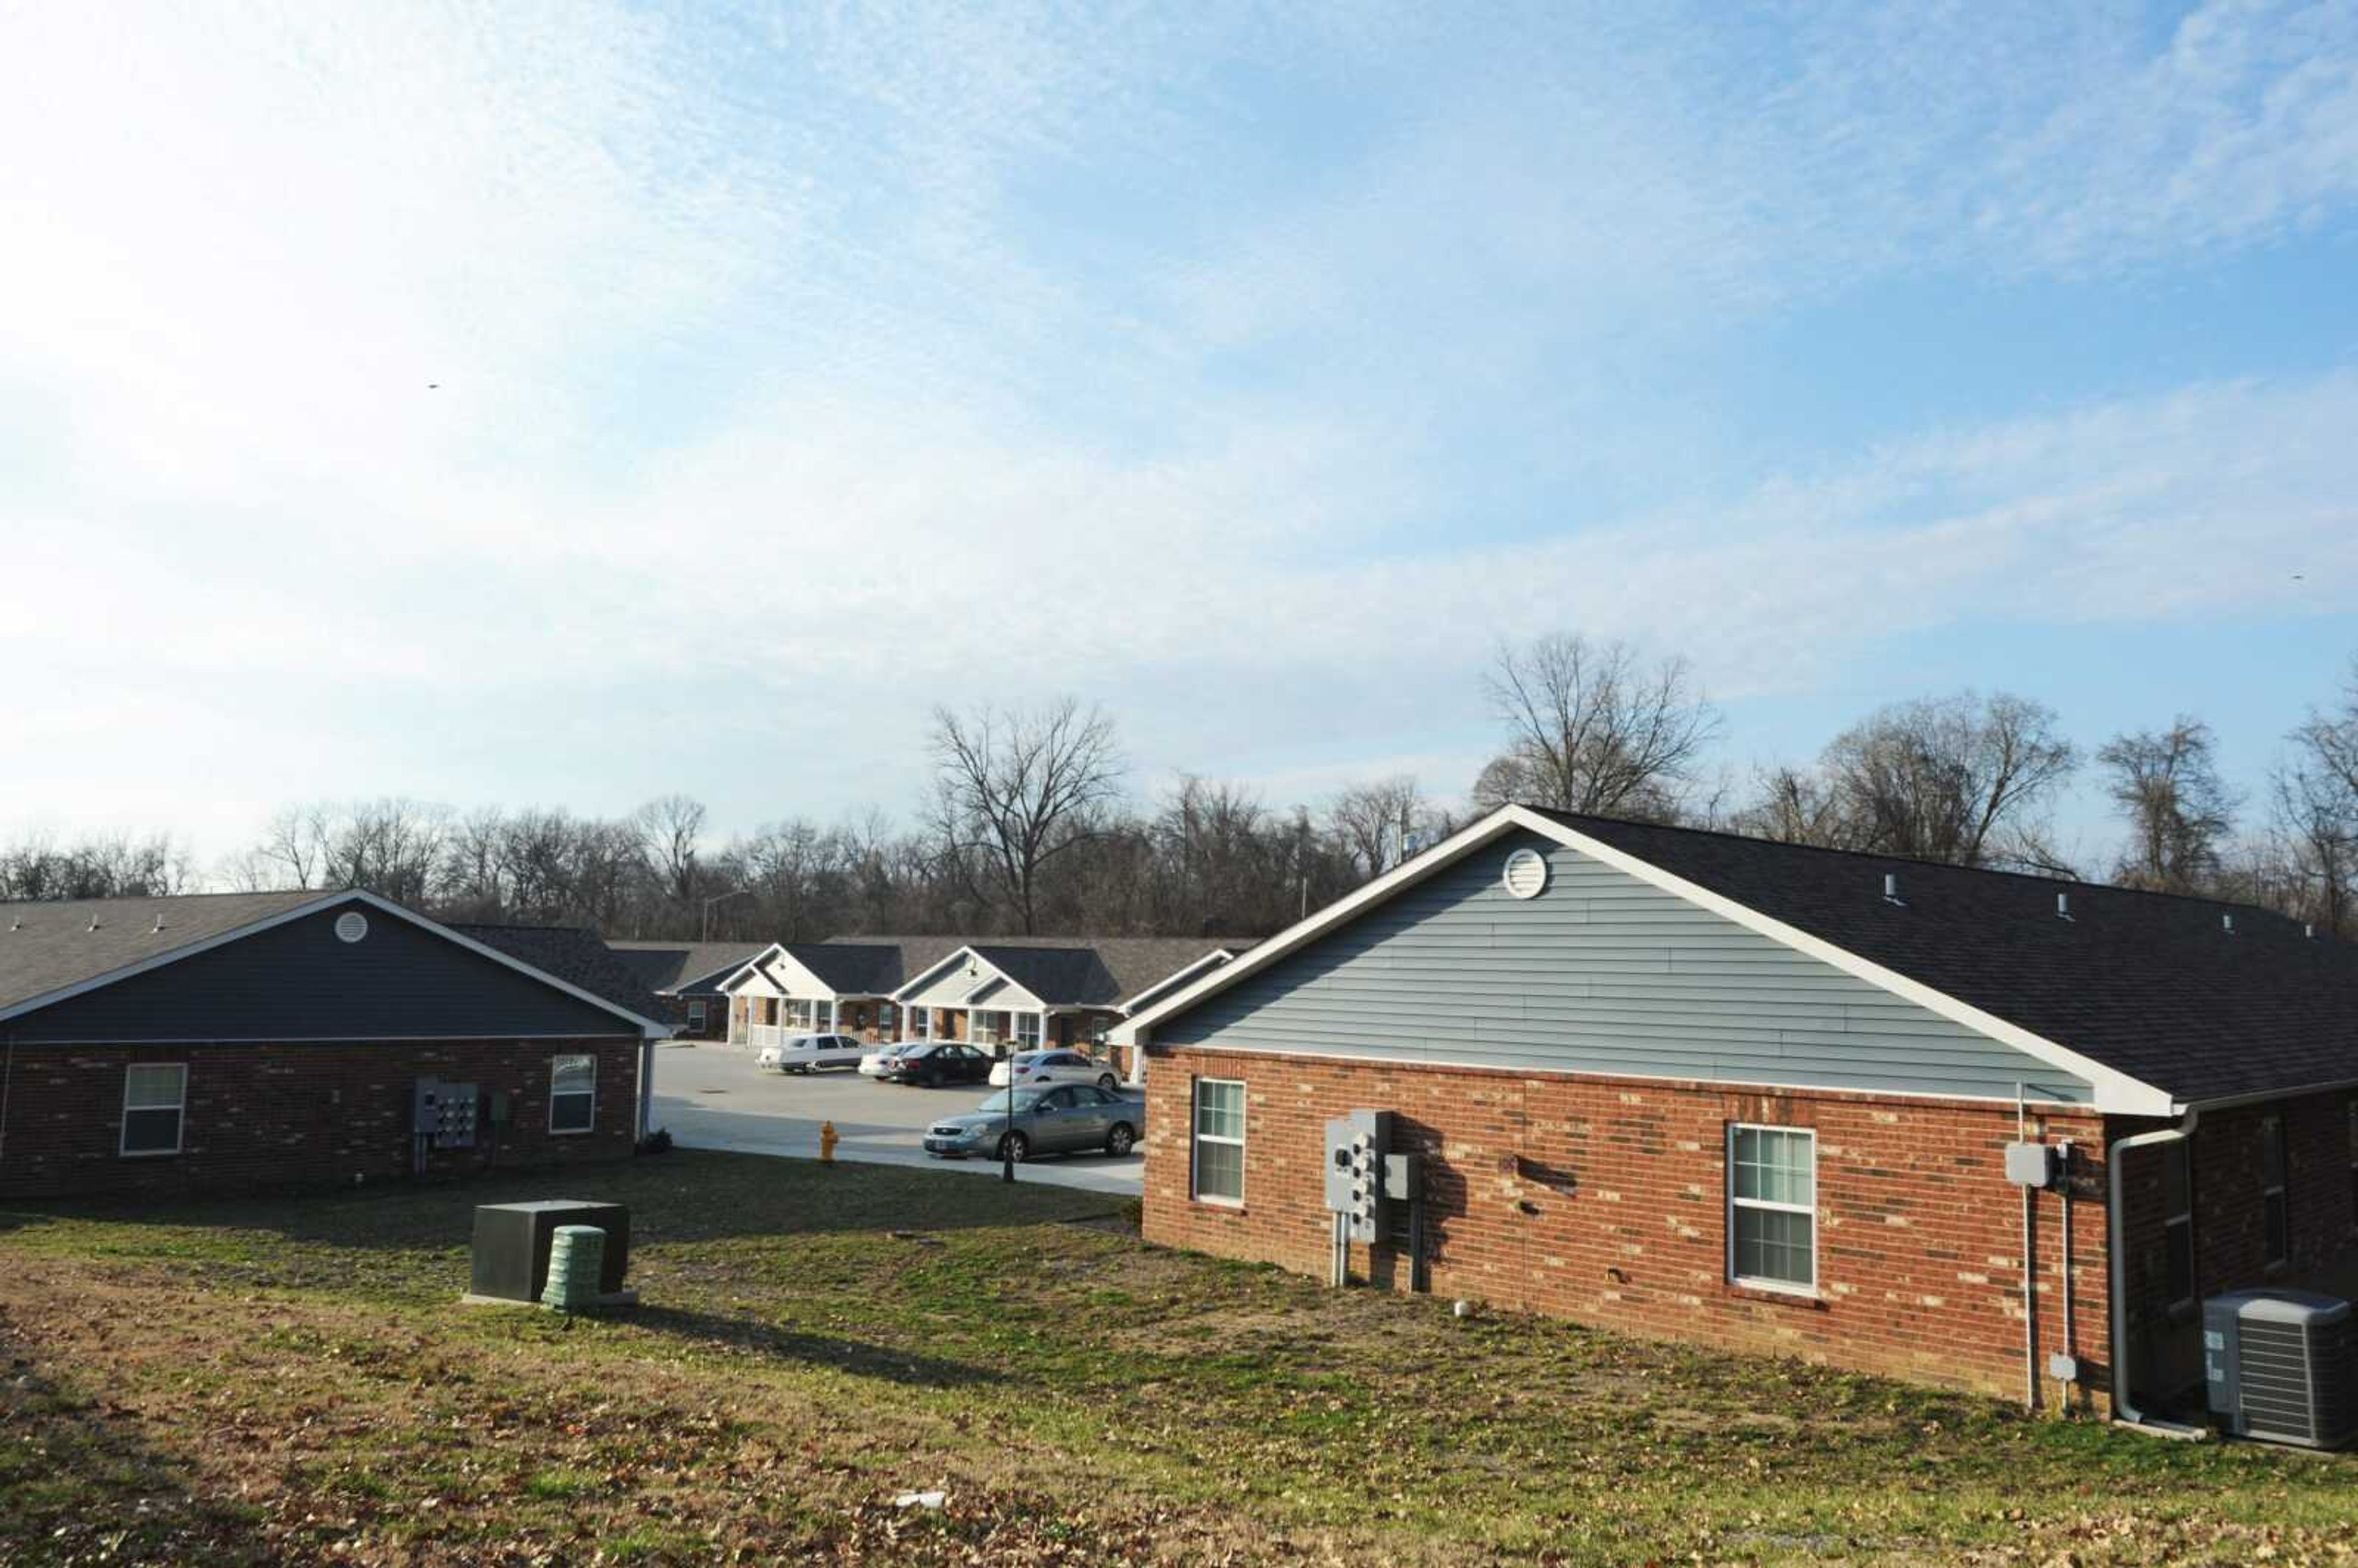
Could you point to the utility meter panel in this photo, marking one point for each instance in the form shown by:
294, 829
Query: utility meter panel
1355, 1147
444, 1114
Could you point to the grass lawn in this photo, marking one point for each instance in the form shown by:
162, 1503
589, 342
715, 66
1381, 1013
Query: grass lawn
294, 1380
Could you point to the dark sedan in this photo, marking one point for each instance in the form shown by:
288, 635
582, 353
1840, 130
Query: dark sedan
1067, 1119
944, 1062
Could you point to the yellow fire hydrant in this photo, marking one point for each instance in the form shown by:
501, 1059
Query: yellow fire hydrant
826, 1139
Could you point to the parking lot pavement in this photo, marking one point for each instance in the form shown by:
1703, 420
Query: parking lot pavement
712, 1096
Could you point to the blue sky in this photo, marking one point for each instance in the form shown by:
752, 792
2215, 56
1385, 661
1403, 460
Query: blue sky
544, 403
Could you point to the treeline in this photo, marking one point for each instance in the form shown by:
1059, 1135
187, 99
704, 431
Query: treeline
1026, 825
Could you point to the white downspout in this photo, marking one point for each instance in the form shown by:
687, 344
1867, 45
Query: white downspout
2115, 1305
647, 1086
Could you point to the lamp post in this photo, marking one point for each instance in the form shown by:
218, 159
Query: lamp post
716, 898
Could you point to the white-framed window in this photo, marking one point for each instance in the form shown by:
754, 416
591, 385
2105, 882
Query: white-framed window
154, 1100
695, 1012
1219, 1141
572, 1094
921, 1022
888, 1017
2275, 1211
1772, 1207
1027, 1029
2178, 1226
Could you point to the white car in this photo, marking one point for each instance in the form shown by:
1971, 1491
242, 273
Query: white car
1038, 1069
878, 1061
808, 1052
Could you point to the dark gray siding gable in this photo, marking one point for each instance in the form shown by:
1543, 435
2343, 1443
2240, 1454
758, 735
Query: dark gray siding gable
299, 981
1600, 973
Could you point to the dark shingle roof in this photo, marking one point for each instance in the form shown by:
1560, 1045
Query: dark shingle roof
851, 968
679, 967
46, 947
1075, 975
2150, 985
575, 955
1107, 970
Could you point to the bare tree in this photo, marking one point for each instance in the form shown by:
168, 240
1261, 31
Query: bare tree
2179, 811
671, 831
1378, 825
1956, 779
2314, 797
1015, 790
1793, 806
1596, 728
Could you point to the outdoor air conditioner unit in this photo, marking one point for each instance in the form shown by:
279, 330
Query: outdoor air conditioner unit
2282, 1366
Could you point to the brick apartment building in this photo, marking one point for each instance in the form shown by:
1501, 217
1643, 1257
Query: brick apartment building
1759, 1095
159, 1046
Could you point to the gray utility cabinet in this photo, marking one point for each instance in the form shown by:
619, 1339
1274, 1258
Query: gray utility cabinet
511, 1241
2279, 1367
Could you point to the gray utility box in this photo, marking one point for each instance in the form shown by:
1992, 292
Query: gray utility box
444, 1114
1355, 1147
2279, 1366
512, 1246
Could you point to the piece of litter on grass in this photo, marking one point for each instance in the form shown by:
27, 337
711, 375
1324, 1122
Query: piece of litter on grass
921, 1500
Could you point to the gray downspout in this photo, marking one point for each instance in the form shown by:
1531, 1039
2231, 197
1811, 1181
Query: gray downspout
2115, 1307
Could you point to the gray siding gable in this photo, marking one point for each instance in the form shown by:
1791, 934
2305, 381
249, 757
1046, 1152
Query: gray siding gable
299, 981
1602, 973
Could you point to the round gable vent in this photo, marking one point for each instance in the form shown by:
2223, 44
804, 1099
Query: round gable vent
350, 926
1527, 874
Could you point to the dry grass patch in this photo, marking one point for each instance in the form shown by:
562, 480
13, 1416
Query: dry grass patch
294, 1382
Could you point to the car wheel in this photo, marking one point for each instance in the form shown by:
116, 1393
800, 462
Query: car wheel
1107, 1082
1118, 1141
1015, 1147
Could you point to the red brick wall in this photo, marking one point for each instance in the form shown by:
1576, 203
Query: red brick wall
293, 1114
2229, 1235
1604, 1200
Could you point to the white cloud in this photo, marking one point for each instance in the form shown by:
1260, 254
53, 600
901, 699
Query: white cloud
819, 365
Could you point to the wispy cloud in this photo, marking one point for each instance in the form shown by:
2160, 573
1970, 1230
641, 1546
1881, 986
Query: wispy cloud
408, 400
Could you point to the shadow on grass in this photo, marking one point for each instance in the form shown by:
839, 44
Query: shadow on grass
685, 1197
78, 1488
852, 1356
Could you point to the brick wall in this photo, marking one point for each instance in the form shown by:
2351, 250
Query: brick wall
1604, 1200
2230, 1236
292, 1115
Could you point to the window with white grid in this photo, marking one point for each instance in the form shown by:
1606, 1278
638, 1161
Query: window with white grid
1772, 1207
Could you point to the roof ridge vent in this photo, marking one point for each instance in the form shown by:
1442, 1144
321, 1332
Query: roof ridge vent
94, 923
1891, 889
159, 922
2063, 906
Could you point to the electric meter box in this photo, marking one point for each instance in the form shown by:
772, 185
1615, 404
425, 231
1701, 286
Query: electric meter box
444, 1114
512, 1242
1355, 1147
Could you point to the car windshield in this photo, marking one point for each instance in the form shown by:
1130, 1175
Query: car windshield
1025, 1101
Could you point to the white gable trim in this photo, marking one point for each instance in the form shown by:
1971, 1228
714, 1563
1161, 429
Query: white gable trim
926, 976
653, 1029
2115, 1091
755, 966
794, 978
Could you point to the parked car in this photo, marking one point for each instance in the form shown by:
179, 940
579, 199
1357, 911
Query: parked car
878, 1064
808, 1052
1035, 1069
941, 1062
1061, 1120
